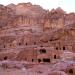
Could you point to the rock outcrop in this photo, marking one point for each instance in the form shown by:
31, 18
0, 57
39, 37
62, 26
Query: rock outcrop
26, 30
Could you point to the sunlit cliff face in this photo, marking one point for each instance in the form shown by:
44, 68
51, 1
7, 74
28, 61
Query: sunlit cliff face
34, 16
30, 34
27, 19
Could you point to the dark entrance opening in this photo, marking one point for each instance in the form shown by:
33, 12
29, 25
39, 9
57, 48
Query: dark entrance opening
63, 48
4, 46
39, 60
5, 58
56, 48
19, 44
26, 43
32, 60
46, 60
54, 56
71, 71
42, 51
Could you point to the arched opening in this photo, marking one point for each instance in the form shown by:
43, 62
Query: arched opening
32, 60
46, 60
54, 56
26, 43
19, 44
42, 51
4, 46
71, 71
64, 48
41, 46
56, 48
39, 60
5, 58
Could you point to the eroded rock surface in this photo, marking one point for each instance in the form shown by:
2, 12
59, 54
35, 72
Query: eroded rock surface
43, 40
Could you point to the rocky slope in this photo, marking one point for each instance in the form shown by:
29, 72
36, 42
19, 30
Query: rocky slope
30, 27
27, 23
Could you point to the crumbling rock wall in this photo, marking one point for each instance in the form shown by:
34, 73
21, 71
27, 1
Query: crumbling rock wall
27, 25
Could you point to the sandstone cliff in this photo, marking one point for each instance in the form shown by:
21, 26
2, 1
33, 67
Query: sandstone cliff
34, 17
27, 24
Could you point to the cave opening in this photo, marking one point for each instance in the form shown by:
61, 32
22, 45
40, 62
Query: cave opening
26, 43
42, 51
54, 56
63, 48
46, 60
71, 71
5, 58
19, 44
56, 48
39, 60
